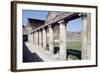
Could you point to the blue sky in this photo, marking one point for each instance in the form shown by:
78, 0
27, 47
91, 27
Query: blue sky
72, 26
33, 14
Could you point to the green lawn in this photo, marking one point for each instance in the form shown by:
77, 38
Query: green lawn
72, 45
76, 45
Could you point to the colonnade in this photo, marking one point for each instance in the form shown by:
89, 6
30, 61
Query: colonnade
40, 38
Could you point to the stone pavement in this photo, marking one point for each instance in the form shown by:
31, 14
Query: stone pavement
44, 55
29, 56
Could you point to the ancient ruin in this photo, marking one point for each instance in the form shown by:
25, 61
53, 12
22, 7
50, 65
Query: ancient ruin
42, 34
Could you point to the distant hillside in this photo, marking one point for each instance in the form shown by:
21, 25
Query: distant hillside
74, 35
70, 35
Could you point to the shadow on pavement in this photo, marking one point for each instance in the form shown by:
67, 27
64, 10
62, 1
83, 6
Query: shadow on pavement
30, 57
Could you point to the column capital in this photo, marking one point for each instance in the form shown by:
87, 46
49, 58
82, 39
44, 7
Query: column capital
43, 28
40, 30
49, 25
37, 30
83, 14
62, 22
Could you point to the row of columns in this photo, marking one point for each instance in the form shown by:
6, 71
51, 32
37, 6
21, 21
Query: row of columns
40, 39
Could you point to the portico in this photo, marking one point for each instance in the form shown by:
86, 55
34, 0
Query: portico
39, 36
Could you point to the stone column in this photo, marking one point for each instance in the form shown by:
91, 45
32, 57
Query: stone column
51, 42
30, 38
63, 40
36, 39
44, 38
85, 37
40, 39
33, 39
89, 36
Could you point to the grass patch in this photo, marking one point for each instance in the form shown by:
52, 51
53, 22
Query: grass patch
56, 44
73, 49
76, 45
